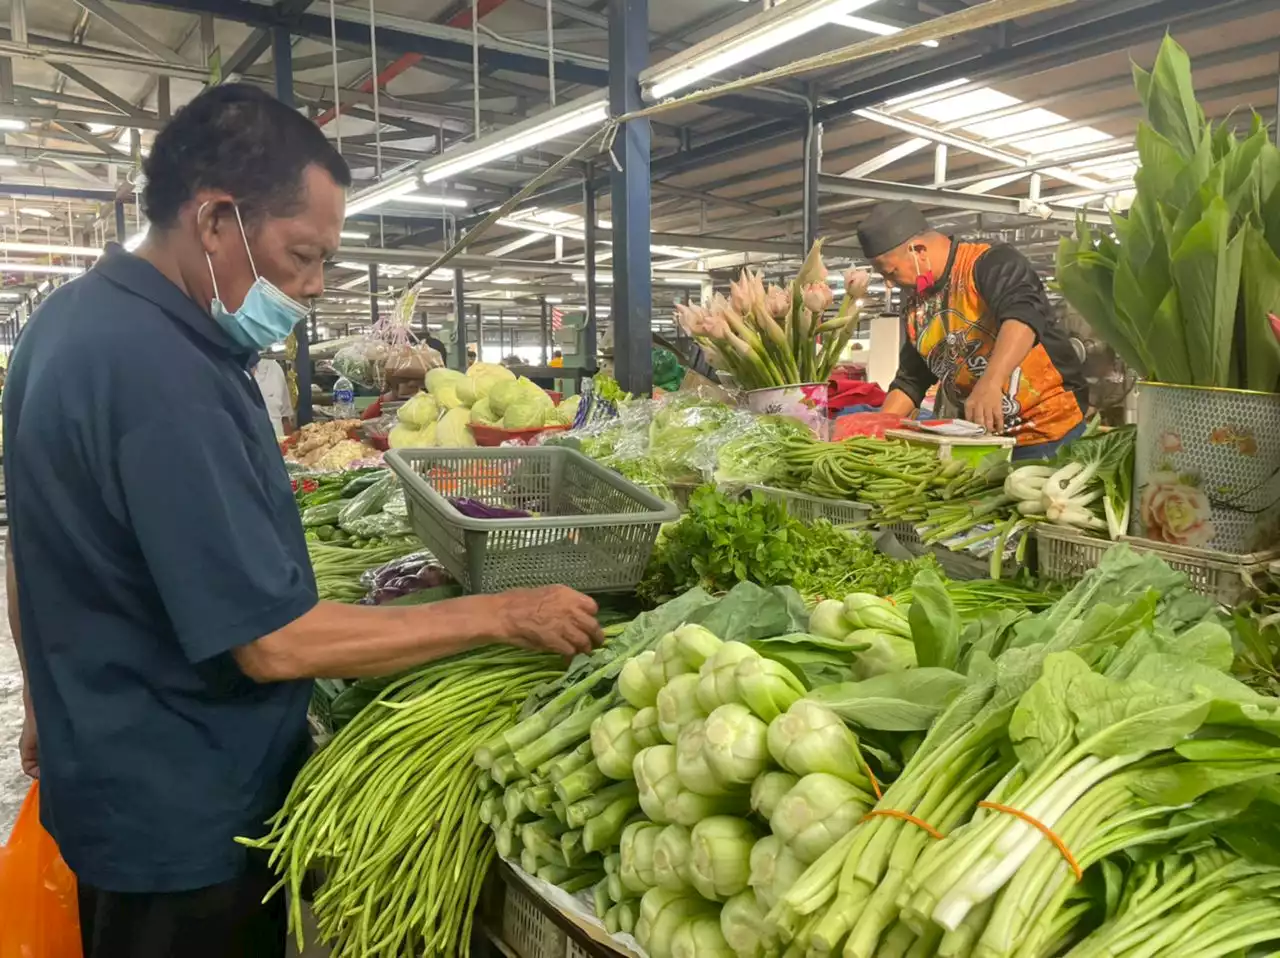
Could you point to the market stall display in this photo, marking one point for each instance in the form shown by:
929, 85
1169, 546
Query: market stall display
1183, 287
485, 406
327, 446
742, 804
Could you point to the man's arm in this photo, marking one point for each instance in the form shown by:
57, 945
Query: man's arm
1012, 290
342, 641
912, 381
27, 741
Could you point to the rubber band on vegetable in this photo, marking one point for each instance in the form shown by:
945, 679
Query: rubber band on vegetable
906, 817
1044, 830
875, 786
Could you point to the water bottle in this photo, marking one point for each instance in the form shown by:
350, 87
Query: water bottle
344, 399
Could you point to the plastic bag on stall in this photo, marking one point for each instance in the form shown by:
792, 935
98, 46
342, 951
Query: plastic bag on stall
41, 917
390, 345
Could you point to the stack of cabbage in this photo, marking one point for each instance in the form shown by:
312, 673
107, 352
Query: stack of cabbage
486, 394
1088, 781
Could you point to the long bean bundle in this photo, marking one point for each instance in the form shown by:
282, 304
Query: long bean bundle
390, 809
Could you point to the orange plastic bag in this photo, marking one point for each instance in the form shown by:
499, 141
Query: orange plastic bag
39, 916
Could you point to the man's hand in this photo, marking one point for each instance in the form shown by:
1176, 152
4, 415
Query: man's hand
554, 618
985, 406
28, 751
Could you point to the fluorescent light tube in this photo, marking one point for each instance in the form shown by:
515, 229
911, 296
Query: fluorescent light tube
873, 26
8, 161
423, 199
36, 211
381, 193
522, 136
10, 124
134, 241
11, 247
7, 267
781, 25
353, 234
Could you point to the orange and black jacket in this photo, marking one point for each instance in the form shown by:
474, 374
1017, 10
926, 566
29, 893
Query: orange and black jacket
950, 330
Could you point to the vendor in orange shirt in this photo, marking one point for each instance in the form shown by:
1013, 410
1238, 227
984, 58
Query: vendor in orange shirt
976, 321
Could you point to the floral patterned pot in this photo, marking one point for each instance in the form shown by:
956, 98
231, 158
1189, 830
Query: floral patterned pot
1207, 468
807, 402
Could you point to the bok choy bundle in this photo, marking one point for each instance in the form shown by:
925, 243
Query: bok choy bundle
1183, 284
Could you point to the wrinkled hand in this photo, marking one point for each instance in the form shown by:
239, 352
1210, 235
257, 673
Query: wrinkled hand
553, 618
985, 406
28, 750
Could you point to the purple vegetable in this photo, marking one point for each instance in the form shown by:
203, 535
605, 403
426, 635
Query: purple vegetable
475, 509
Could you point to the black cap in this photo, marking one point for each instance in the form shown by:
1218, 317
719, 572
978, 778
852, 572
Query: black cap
888, 225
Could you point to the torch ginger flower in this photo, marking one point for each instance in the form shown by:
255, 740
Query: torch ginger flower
817, 297
777, 302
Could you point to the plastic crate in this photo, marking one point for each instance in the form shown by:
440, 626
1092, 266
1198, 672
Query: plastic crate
808, 508
1065, 555
527, 930
592, 529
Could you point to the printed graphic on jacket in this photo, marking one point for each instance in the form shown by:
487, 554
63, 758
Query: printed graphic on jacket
951, 331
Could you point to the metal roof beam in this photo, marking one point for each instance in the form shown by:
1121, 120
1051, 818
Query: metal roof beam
132, 31
316, 27
89, 83
950, 199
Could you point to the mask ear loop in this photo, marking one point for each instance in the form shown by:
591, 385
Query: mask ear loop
212, 276
245, 237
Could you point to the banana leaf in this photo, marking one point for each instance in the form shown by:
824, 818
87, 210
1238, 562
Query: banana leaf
1260, 295
1206, 272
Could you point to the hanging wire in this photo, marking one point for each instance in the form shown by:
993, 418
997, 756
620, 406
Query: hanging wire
337, 95
377, 111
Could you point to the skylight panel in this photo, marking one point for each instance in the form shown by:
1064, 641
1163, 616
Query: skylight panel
1024, 122
965, 105
1066, 140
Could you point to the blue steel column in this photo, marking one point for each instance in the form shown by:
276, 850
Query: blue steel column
282, 54
812, 167
632, 295
120, 224
589, 267
458, 353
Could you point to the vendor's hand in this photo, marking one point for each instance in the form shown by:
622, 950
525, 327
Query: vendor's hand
28, 751
553, 618
985, 406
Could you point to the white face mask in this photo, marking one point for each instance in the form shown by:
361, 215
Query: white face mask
267, 314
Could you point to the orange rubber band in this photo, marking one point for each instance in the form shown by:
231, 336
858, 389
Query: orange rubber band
1044, 830
906, 817
875, 786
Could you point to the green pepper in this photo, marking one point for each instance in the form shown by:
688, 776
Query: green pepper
324, 533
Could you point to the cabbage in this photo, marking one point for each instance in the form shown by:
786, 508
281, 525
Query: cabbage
522, 415
484, 376
419, 411
443, 385
551, 417
466, 391
452, 431
568, 410
501, 394
482, 413
405, 436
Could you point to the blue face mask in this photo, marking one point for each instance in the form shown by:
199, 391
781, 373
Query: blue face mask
266, 316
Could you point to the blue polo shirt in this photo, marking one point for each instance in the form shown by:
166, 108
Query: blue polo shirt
153, 531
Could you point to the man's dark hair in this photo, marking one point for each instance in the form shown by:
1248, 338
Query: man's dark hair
238, 138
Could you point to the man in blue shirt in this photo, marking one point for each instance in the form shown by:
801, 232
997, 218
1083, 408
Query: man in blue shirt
167, 616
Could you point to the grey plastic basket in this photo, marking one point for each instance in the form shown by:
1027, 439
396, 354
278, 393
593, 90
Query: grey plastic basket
593, 529
809, 508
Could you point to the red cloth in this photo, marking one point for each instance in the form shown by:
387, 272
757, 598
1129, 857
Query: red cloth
847, 391
864, 424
